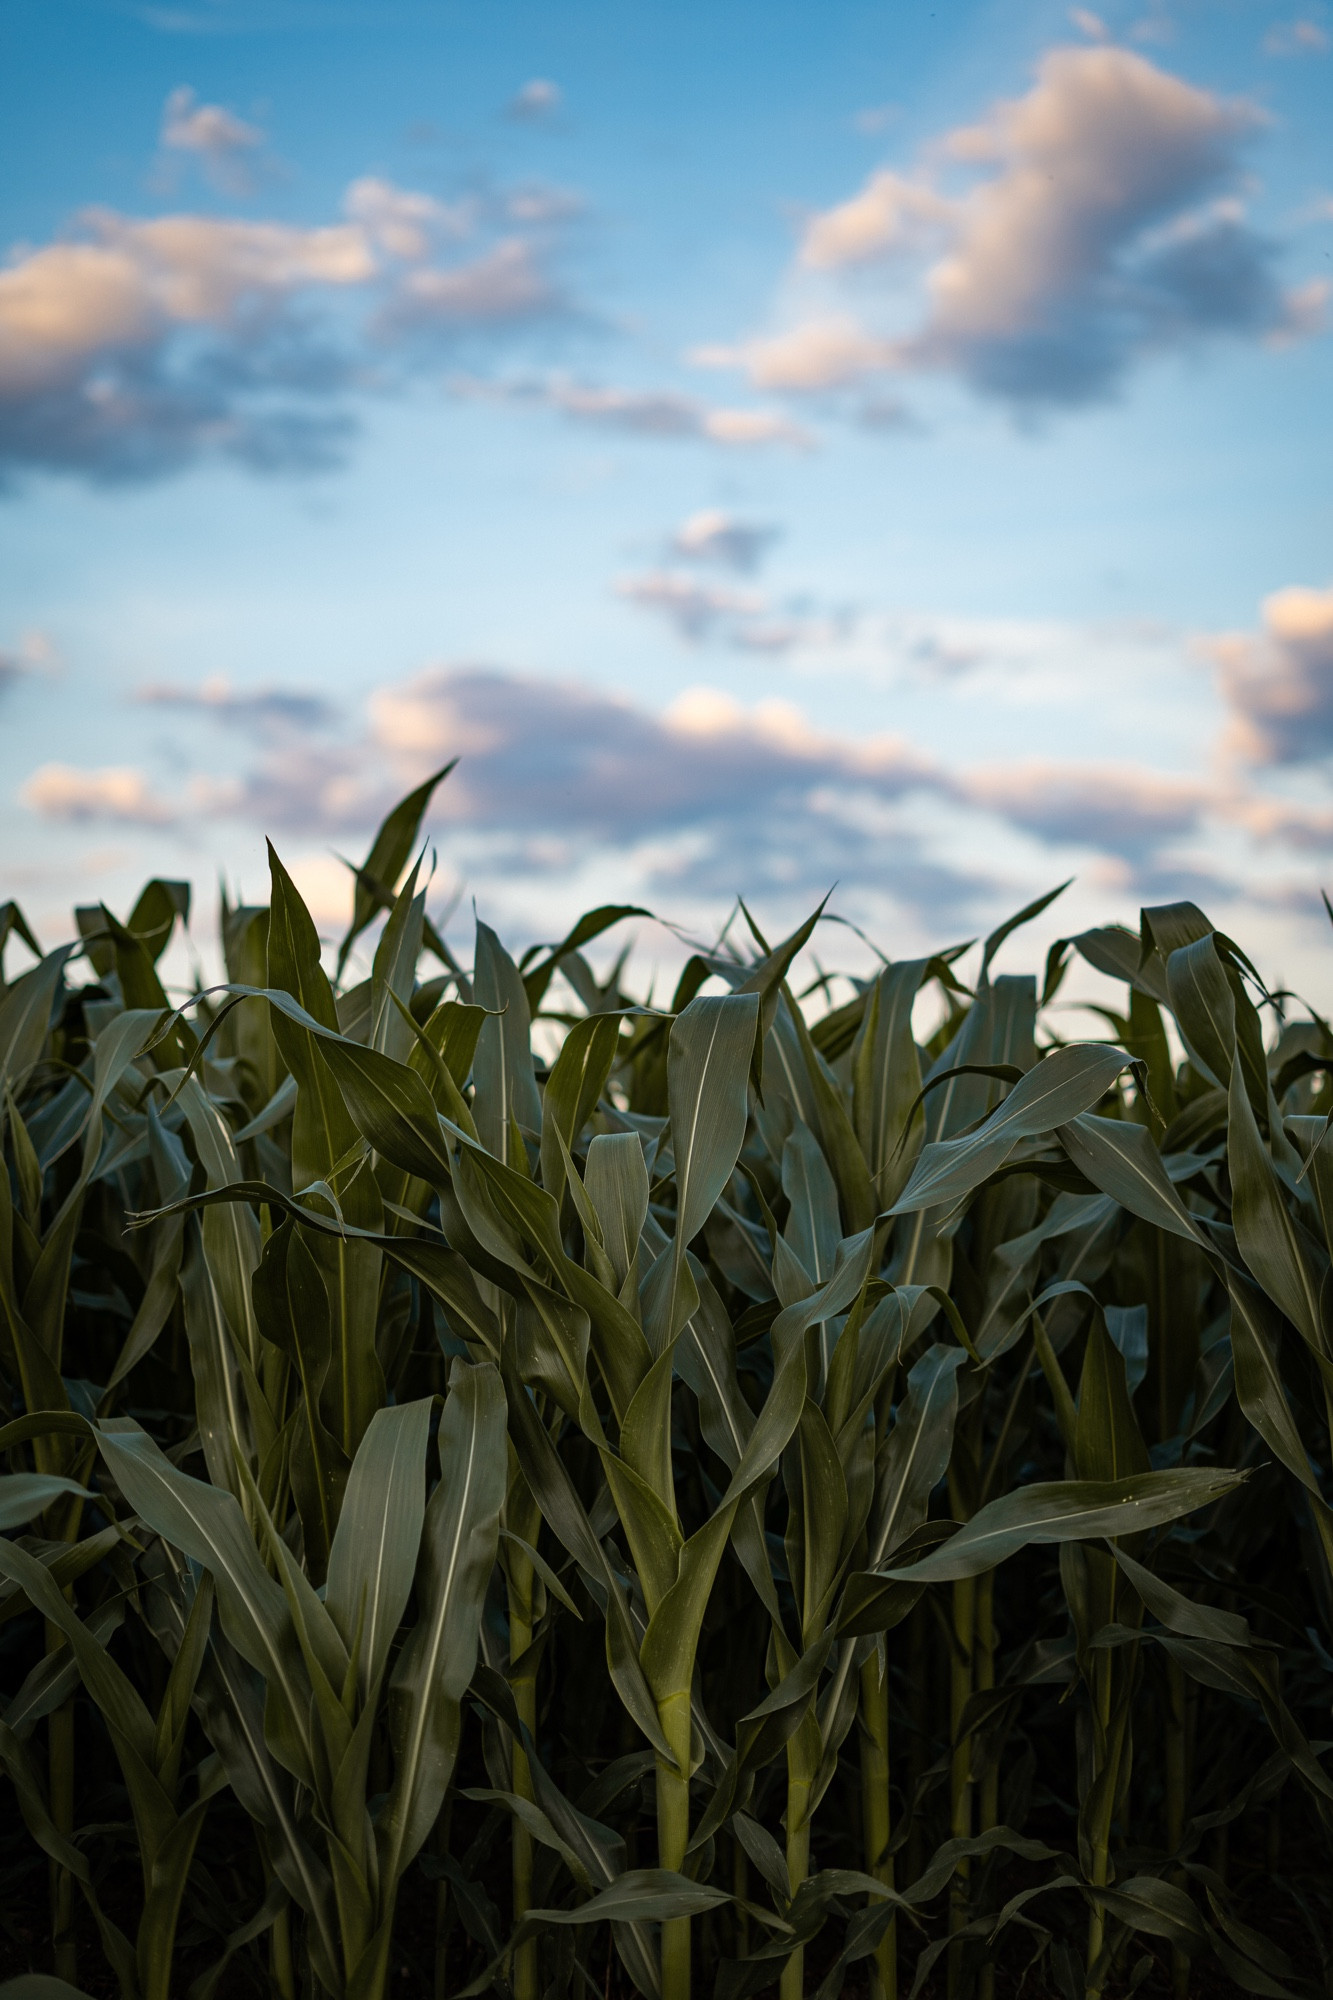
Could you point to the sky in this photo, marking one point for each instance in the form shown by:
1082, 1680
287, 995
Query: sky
774, 449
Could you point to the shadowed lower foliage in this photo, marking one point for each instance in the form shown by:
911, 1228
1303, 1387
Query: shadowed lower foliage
778, 1497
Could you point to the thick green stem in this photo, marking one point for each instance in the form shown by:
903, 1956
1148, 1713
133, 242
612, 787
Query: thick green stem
988, 1798
875, 1815
525, 1701
792, 1984
673, 1837
60, 1753
960, 1765
918, 1696
281, 1967
1114, 1740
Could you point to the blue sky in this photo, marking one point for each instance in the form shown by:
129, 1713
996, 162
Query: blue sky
770, 446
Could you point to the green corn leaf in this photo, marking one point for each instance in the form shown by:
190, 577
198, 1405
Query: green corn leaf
1283, 1259
506, 1087
616, 1182
589, 927
322, 1131
25, 1495
578, 1078
1108, 1445
1067, 1082
918, 1451
458, 1550
207, 1525
886, 1077
1205, 1011
1255, 1334
1121, 1160
374, 1555
1178, 1613
1069, 1511
707, 1094
377, 878
1016, 922
394, 974
640, 1895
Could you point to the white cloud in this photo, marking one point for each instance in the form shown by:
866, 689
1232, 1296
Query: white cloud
890, 213
224, 144
133, 344
715, 537
656, 413
821, 354
695, 609
1278, 682
508, 282
1100, 225
34, 653
1088, 23
1302, 37
119, 793
257, 711
130, 282
537, 99
402, 222
1125, 811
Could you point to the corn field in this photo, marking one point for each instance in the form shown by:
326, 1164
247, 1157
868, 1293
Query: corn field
513, 1487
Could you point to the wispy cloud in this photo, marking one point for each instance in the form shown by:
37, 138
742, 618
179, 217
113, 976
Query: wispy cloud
720, 539
695, 609
535, 101
120, 794
258, 712
649, 413
1301, 37
226, 146
34, 652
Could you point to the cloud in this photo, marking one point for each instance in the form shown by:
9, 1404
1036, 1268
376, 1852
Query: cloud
537, 100
721, 540
401, 222
1296, 38
1126, 812
259, 712
1100, 226
118, 793
716, 791
131, 346
1278, 682
1088, 23
35, 652
654, 413
561, 783
695, 609
743, 619
890, 213
507, 283
821, 354
875, 117
223, 143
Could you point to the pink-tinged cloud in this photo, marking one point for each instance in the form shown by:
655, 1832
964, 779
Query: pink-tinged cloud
1068, 234
1278, 681
120, 794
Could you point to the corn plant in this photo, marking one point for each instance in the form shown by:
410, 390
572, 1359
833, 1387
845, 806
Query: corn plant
555, 1492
